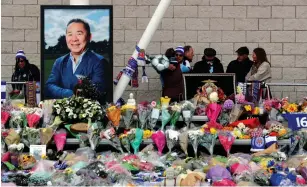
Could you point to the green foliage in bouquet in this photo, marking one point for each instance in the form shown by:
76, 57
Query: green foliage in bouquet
85, 88
78, 109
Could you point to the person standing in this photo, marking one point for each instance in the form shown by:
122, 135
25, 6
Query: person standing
187, 59
261, 69
209, 64
173, 86
241, 66
24, 71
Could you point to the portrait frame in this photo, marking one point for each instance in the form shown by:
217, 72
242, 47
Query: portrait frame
102, 46
190, 91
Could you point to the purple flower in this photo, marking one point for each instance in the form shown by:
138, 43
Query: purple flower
228, 104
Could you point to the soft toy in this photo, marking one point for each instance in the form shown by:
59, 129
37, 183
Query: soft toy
192, 178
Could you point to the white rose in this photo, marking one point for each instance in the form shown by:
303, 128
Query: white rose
172, 134
20, 146
213, 97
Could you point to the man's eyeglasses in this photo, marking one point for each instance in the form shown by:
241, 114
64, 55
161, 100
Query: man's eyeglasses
179, 55
21, 61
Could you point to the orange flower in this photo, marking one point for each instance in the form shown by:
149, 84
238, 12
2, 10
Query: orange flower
246, 137
292, 108
228, 128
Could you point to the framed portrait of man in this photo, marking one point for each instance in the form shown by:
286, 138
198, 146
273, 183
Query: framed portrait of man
76, 43
195, 81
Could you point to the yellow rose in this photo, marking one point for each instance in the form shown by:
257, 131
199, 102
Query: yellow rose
248, 108
147, 134
256, 111
213, 131
282, 132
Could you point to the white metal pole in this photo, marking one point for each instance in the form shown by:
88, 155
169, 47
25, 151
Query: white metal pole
79, 2
143, 43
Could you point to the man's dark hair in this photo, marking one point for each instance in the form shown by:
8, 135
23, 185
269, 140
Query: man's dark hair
170, 52
85, 24
187, 48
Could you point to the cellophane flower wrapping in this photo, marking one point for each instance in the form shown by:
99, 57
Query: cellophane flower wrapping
187, 111
17, 119
208, 141
59, 138
218, 173
47, 107
302, 141
159, 139
110, 135
4, 118
226, 138
194, 139
166, 117
213, 111
184, 142
137, 140
144, 111
30, 136
172, 138
127, 114
155, 114
46, 135
241, 172
175, 114
126, 138
113, 114
33, 120
93, 135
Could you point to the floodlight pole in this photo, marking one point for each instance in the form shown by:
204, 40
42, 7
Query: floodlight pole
143, 43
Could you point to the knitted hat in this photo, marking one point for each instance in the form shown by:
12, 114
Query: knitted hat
179, 50
21, 54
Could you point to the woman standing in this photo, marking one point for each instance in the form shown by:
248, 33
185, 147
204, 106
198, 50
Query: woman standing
260, 72
261, 69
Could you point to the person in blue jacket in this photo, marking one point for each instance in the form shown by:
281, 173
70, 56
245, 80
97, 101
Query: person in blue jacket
80, 62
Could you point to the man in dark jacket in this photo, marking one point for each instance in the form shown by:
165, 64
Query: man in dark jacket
241, 66
209, 63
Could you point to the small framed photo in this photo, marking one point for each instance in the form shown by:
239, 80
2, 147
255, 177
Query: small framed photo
37, 151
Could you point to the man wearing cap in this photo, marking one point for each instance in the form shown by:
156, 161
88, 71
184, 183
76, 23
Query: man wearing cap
209, 63
24, 71
241, 66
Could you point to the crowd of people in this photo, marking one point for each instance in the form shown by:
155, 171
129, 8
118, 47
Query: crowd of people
257, 69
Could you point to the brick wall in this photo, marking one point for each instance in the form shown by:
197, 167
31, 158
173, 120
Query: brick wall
279, 26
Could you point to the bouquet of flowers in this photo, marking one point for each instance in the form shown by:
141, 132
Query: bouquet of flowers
46, 135
241, 131
127, 112
93, 135
194, 139
33, 119
126, 138
30, 136
226, 138
240, 98
144, 113
4, 118
175, 114
18, 119
47, 107
213, 111
208, 140
172, 137
137, 140
78, 109
166, 117
159, 139
155, 114
15, 150
188, 110
113, 114
184, 142
59, 138
110, 135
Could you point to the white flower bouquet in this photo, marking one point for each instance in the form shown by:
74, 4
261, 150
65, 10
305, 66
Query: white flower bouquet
78, 109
